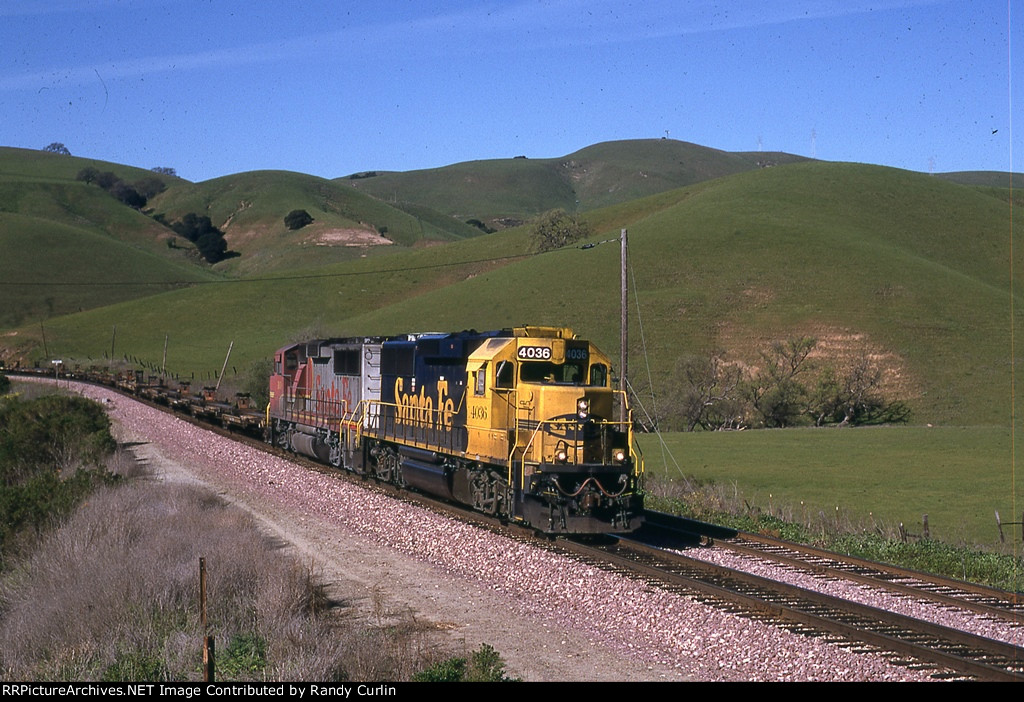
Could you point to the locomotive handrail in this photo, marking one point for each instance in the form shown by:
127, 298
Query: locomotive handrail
410, 427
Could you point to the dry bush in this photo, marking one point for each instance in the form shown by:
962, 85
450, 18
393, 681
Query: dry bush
113, 593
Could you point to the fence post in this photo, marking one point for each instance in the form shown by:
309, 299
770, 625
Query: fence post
208, 647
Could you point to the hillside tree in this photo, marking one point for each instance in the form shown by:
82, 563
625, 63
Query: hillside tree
57, 148
200, 231
297, 219
710, 394
555, 229
776, 392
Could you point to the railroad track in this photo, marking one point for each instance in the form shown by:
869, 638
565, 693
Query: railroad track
955, 653
948, 652
998, 605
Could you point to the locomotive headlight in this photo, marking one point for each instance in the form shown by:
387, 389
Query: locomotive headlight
583, 406
561, 455
618, 455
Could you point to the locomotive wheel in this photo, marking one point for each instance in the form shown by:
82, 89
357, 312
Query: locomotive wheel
388, 466
335, 458
483, 494
282, 437
488, 491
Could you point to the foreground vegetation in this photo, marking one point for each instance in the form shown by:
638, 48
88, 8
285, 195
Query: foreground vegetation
54, 451
108, 590
112, 594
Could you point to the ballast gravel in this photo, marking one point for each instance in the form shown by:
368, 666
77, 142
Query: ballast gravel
550, 617
963, 620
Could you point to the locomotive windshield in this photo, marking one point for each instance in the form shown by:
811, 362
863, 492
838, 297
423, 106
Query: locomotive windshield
547, 372
562, 373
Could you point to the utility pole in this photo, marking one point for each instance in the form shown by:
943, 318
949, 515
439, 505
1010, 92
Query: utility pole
225, 366
624, 324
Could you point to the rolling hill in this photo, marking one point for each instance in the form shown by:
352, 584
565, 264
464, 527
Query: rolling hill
904, 268
66, 245
250, 209
508, 191
56, 229
84, 231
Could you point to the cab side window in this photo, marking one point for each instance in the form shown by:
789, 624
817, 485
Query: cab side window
481, 380
505, 375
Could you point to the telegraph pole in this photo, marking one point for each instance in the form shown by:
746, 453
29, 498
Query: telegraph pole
624, 324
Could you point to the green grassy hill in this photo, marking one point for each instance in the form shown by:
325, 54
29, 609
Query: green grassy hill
56, 230
503, 191
908, 269
43, 166
250, 209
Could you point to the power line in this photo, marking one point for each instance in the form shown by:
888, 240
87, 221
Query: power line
270, 279
309, 276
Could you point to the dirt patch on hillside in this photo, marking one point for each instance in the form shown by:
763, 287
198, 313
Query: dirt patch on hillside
838, 347
845, 349
239, 238
349, 237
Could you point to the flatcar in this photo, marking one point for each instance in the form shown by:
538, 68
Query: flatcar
519, 423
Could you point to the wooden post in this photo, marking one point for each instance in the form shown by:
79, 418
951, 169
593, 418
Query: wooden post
163, 366
202, 594
624, 320
224, 367
209, 660
209, 653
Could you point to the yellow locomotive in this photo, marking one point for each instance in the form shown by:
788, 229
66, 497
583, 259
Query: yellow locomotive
519, 423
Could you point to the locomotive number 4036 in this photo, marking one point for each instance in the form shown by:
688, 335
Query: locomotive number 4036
537, 353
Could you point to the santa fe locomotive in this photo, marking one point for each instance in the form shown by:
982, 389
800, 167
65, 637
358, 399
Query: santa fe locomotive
518, 423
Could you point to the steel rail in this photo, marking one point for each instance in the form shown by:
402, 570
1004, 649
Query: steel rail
972, 655
999, 604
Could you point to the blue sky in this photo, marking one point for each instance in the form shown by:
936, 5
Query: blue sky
329, 88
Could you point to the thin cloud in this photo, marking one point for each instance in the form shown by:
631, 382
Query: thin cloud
501, 27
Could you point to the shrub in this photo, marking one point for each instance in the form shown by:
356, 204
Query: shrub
484, 665
44, 445
555, 229
201, 232
297, 219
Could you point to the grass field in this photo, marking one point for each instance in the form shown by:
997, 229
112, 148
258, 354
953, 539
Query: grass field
958, 476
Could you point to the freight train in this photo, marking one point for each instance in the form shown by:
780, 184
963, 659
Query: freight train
519, 423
